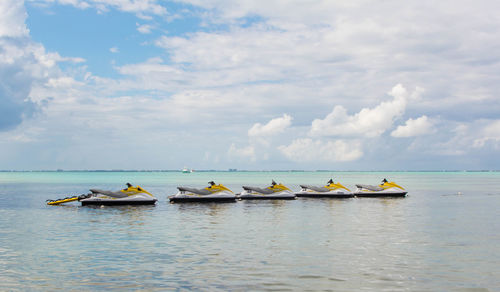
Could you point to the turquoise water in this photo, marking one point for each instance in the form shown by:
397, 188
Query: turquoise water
443, 237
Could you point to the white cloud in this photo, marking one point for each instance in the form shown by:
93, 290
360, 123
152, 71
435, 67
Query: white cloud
114, 50
368, 122
464, 139
247, 152
273, 127
12, 20
418, 127
24, 65
55, 58
488, 133
144, 28
296, 12
306, 150
139, 7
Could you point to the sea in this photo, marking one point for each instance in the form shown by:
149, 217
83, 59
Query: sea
444, 236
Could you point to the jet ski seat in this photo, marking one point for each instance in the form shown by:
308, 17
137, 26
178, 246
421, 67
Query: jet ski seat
258, 190
194, 191
314, 188
371, 188
109, 193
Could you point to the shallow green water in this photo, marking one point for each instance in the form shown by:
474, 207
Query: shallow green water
443, 237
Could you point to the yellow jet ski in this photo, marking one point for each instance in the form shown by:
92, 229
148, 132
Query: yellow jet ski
330, 190
385, 189
212, 193
273, 192
129, 196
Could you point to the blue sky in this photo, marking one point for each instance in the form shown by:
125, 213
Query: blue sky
260, 85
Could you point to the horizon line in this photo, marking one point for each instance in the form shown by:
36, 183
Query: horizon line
245, 170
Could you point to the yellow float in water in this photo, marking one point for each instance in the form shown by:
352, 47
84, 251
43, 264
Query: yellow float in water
61, 201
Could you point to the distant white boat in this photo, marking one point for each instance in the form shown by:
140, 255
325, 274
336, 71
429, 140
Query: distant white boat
186, 170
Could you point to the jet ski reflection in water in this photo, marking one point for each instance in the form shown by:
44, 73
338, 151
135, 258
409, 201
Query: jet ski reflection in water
212, 193
273, 192
385, 189
331, 190
129, 196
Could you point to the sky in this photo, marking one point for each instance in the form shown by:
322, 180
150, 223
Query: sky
254, 85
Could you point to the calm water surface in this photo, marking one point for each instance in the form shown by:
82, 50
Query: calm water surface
445, 236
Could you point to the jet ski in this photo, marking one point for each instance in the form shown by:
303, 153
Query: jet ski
212, 193
330, 190
129, 196
273, 192
385, 189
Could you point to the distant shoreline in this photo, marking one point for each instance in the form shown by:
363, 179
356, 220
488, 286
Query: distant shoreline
232, 170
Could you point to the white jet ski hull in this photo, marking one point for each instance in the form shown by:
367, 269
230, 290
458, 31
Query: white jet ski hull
184, 197
361, 192
336, 194
379, 194
284, 195
140, 199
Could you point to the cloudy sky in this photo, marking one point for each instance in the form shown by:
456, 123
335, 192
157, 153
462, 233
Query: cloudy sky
259, 85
